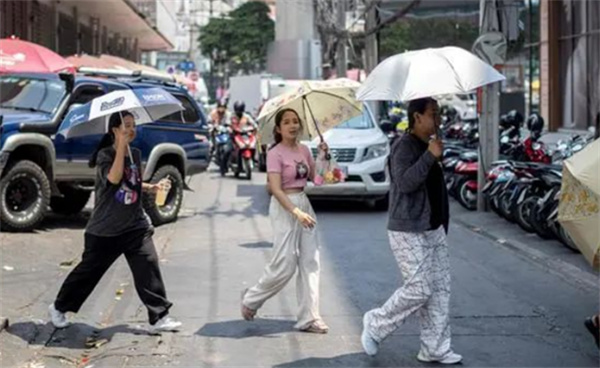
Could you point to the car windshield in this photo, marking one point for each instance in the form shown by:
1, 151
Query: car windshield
32, 94
362, 121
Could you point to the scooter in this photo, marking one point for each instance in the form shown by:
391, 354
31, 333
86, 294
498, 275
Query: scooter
223, 147
244, 148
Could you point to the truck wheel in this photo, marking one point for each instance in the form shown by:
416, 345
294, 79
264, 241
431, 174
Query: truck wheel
25, 195
170, 211
72, 201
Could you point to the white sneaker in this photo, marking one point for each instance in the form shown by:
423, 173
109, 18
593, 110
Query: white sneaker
370, 346
450, 358
165, 324
59, 319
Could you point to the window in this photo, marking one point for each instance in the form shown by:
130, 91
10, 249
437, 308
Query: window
362, 121
30, 93
190, 115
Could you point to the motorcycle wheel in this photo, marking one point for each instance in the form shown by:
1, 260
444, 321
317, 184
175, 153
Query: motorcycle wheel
523, 213
248, 168
505, 204
466, 198
566, 239
540, 225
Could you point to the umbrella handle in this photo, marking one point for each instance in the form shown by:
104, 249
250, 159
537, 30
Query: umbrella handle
313, 117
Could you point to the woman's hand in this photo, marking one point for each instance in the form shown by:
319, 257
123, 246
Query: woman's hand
154, 188
305, 219
121, 136
323, 147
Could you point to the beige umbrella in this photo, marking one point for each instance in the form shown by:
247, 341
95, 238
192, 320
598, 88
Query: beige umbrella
321, 105
579, 206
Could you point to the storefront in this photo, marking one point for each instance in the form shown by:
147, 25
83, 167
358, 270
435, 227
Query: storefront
570, 63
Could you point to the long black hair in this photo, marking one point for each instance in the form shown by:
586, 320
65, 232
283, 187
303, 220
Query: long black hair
278, 119
419, 106
108, 139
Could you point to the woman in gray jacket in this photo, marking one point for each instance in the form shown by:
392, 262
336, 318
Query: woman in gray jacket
417, 227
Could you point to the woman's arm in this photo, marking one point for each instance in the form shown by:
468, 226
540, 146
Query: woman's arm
115, 174
277, 191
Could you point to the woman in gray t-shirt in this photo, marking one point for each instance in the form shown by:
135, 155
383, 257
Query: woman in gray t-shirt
118, 225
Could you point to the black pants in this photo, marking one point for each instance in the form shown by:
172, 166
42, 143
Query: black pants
99, 254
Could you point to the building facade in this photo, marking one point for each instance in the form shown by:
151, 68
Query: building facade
570, 63
82, 26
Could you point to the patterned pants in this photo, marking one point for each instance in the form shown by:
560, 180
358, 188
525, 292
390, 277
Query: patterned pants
424, 262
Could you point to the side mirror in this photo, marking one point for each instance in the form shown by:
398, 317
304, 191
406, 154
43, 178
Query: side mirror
386, 126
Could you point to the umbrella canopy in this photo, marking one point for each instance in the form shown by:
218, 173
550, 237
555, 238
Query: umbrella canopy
427, 73
18, 56
579, 205
321, 105
147, 105
89, 61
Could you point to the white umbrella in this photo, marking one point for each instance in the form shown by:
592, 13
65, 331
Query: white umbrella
427, 73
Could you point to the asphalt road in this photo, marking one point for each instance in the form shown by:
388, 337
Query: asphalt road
509, 307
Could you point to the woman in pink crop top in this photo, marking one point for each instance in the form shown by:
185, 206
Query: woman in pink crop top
295, 245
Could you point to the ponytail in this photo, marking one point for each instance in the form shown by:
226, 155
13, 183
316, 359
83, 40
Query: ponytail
106, 141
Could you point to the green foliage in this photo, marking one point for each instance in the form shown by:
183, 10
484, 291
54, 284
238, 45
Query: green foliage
241, 40
414, 34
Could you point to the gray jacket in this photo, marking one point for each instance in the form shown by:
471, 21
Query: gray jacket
410, 210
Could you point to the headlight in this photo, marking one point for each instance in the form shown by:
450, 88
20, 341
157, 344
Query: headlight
375, 151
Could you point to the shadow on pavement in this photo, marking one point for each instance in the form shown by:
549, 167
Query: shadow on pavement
240, 329
343, 206
76, 336
53, 221
257, 245
346, 360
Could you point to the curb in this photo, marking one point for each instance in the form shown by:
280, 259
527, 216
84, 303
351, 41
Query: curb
566, 271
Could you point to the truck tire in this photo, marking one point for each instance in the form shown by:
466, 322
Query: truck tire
72, 201
25, 195
169, 212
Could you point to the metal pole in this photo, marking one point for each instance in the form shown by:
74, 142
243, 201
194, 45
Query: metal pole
530, 57
341, 62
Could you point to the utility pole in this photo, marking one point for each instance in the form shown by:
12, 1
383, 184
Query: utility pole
341, 62
489, 146
372, 50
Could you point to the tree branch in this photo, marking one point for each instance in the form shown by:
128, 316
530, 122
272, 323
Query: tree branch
346, 34
400, 14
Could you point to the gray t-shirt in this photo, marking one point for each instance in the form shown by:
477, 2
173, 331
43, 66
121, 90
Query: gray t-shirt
118, 208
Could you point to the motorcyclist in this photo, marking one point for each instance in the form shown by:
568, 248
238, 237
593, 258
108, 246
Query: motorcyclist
220, 115
240, 118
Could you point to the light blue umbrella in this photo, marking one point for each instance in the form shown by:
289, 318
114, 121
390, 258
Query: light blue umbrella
146, 104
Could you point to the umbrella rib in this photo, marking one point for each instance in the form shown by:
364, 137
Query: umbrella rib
313, 116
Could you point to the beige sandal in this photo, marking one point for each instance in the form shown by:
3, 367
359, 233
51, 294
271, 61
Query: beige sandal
247, 313
318, 327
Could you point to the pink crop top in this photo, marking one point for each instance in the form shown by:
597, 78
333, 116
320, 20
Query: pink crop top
294, 165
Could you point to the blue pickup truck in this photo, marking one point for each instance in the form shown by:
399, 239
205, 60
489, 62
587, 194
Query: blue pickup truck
40, 170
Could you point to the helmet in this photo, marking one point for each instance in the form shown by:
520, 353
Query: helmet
239, 107
513, 119
535, 122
